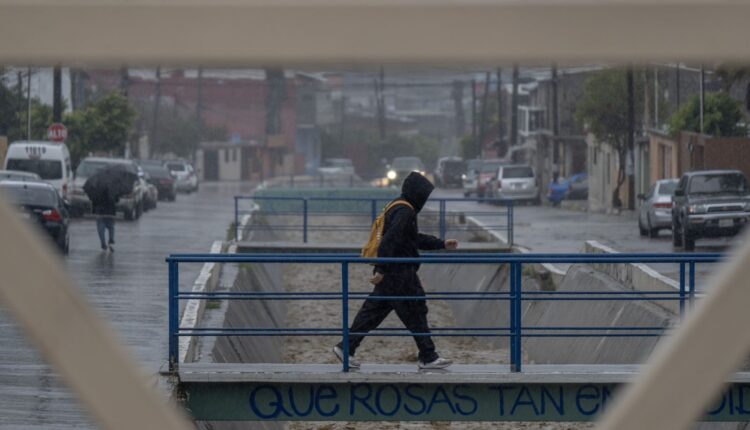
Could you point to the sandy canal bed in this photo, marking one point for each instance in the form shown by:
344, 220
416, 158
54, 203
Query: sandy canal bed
391, 350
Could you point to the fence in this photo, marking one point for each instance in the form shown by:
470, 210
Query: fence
516, 331
369, 208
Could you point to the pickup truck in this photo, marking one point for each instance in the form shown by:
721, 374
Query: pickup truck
709, 203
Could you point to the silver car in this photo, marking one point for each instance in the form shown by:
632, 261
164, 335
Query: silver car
514, 182
656, 208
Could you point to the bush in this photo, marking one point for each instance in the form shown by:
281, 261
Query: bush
721, 116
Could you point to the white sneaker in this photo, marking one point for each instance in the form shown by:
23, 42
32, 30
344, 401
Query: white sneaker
354, 364
440, 363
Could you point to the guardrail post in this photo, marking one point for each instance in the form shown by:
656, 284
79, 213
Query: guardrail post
515, 317
345, 313
236, 218
173, 313
682, 290
304, 220
510, 222
692, 284
374, 209
442, 219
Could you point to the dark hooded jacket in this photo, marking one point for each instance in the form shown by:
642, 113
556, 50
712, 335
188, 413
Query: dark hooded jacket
401, 237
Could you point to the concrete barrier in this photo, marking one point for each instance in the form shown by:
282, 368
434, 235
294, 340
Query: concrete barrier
635, 276
207, 280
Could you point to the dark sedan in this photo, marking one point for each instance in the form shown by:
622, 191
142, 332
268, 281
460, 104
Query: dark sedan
162, 179
40, 203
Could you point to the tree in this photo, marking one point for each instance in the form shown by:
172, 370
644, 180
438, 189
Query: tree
104, 125
721, 116
603, 111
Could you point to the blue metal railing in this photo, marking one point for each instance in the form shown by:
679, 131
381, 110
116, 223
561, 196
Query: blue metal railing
515, 331
500, 219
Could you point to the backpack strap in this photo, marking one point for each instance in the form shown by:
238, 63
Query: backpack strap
397, 203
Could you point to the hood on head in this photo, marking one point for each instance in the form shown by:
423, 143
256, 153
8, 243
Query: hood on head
416, 189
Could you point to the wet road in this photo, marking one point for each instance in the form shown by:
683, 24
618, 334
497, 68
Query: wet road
546, 229
128, 288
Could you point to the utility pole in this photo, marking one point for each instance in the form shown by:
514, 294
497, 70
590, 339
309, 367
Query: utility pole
19, 95
474, 111
555, 120
514, 109
483, 120
703, 94
380, 103
631, 133
199, 105
656, 98
56, 94
500, 110
458, 106
28, 103
157, 101
677, 86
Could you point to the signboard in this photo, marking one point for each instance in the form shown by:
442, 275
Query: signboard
421, 402
57, 133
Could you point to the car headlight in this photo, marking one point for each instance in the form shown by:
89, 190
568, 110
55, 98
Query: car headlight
391, 174
463, 177
697, 209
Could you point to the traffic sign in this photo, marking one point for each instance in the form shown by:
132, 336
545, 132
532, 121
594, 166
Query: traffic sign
57, 132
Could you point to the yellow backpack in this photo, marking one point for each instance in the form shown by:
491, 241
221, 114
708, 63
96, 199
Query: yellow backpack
370, 249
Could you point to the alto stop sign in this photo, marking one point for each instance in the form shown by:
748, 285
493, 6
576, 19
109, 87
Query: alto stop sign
57, 132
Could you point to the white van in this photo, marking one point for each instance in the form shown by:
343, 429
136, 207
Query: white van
49, 160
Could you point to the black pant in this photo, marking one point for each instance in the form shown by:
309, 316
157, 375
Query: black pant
413, 313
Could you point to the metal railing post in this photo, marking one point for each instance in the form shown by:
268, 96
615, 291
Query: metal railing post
510, 222
519, 315
345, 313
691, 285
173, 312
304, 220
442, 219
374, 209
682, 290
515, 366
236, 218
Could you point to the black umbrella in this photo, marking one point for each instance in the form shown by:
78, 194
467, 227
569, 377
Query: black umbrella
109, 184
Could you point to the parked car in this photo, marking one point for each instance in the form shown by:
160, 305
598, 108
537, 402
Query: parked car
514, 182
574, 188
159, 176
39, 202
656, 208
487, 171
18, 175
151, 196
130, 205
579, 187
709, 203
469, 178
336, 166
49, 160
401, 167
449, 171
184, 174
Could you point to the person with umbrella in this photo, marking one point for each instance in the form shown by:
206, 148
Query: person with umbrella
104, 189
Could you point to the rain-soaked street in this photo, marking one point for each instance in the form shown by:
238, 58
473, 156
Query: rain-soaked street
128, 288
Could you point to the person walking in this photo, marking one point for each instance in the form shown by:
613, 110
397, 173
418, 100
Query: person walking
105, 209
401, 239
104, 190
